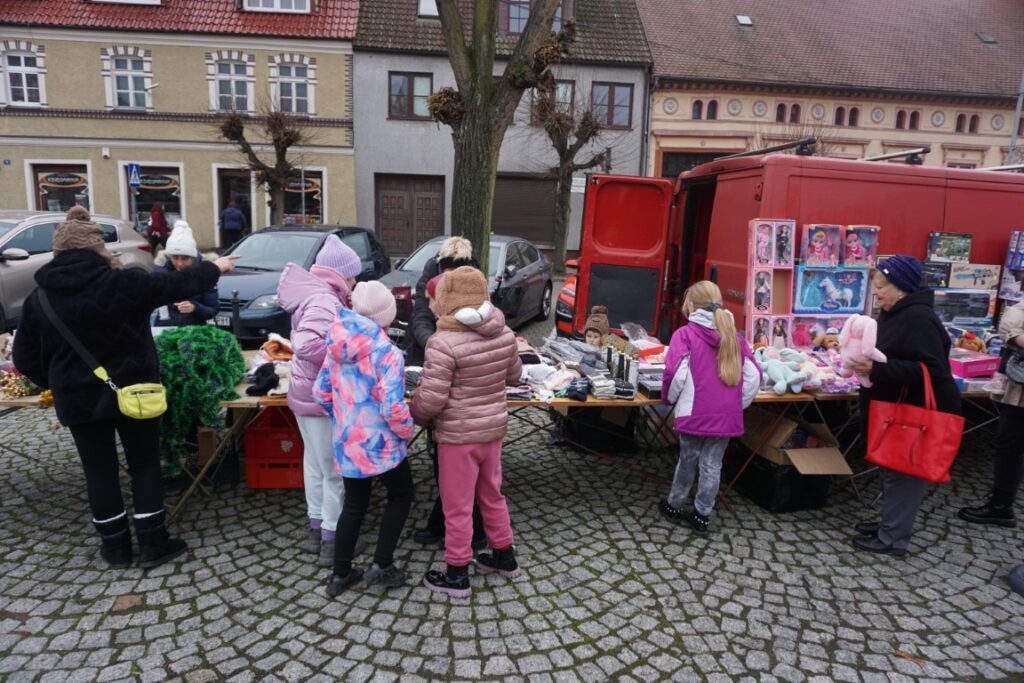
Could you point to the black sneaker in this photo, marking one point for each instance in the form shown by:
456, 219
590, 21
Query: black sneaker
389, 577
698, 522
454, 582
867, 528
337, 585
502, 561
670, 513
989, 513
428, 537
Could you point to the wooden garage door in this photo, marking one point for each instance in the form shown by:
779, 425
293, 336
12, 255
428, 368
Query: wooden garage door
525, 207
409, 210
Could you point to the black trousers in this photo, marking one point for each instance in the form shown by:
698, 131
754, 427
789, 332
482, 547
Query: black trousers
229, 237
1009, 463
435, 522
399, 485
97, 449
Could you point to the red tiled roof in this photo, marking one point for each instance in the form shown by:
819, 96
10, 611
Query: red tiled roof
914, 46
607, 31
336, 19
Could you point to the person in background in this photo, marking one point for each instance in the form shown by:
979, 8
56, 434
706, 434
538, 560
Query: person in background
469, 361
158, 230
182, 253
362, 387
233, 224
1009, 444
454, 253
596, 327
107, 309
711, 377
909, 333
313, 299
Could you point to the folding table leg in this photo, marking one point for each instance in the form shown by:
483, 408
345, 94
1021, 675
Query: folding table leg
753, 454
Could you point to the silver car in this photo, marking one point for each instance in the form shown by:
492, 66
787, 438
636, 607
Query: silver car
26, 244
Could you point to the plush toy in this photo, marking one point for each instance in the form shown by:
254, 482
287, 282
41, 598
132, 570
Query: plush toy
801, 335
971, 342
779, 374
828, 341
794, 357
857, 343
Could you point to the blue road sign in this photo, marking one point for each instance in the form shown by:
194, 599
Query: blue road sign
134, 176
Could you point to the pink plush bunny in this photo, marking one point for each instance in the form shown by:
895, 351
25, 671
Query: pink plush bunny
857, 342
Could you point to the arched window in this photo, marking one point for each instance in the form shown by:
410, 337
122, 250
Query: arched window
961, 123
712, 110
901, 119
840, 116
854, 116
794, 114
698, 110
915, 120
780, 113
975, 122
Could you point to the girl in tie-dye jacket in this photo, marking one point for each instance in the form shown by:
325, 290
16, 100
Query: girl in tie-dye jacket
362, 388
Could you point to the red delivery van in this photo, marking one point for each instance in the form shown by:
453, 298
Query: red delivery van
644, 240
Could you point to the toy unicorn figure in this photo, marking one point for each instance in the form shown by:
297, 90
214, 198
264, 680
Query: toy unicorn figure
764, 238
857, 343
833, 293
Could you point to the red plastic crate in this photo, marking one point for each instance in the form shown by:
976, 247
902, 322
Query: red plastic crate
273, 451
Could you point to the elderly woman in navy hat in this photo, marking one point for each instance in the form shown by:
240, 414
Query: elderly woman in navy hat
909, 333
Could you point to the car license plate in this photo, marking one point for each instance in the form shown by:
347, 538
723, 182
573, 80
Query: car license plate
223, 319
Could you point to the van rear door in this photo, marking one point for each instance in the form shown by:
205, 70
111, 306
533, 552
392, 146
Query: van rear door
624, 250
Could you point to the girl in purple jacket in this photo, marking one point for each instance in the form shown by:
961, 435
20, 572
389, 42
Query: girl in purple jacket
313, 298
710, 377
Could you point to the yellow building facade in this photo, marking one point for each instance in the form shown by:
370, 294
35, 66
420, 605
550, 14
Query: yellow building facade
691, 125
80, 108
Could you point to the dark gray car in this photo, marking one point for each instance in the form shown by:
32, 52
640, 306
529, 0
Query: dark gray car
519, 275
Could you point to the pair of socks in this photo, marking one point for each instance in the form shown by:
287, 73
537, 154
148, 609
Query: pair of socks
317, 525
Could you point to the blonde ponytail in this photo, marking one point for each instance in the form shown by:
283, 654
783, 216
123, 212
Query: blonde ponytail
706, 295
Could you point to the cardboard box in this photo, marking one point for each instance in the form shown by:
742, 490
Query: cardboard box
823, 459
969, 364
973, 276
207, 440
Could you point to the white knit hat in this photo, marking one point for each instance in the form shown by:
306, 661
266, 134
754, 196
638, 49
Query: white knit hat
182, 242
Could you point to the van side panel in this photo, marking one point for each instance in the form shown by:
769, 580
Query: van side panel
989, 210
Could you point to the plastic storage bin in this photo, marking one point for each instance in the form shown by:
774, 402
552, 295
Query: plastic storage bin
273, 451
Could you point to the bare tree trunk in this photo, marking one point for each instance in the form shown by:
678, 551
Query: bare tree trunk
276, 205
476, 165
563, 201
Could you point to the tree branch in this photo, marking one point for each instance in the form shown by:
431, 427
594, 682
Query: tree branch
455, 39
523, 64
595, 160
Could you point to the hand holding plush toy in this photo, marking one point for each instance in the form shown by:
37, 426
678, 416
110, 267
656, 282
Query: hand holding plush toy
857, 344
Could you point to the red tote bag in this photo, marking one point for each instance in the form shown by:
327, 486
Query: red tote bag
921, 442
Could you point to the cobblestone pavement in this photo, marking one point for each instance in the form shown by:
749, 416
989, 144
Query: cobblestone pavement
611, 592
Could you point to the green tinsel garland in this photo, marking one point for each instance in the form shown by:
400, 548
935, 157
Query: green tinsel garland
200, 365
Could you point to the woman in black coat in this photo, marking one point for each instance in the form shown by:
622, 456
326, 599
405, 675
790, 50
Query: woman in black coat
108, 310
909, 333
182, 253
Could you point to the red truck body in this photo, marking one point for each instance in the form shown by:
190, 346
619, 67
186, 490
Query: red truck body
646, 239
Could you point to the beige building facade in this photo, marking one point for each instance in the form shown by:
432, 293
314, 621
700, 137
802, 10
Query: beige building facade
691, 125
80, 107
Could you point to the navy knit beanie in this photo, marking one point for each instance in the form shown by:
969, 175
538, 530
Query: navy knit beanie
904, 272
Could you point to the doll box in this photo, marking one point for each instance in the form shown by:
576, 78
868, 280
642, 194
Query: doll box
762, 242
860, 245
785, 243
830, 291
968, 364
821, 245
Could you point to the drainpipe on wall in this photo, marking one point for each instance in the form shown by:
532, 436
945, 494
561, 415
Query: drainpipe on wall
646, 134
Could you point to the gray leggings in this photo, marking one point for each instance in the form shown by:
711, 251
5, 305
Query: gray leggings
706, 453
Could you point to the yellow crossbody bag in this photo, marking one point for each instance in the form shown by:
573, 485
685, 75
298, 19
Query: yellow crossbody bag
137, 401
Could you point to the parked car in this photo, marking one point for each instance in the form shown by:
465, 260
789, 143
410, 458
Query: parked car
264, 255
26, 244
566, 303
518, 273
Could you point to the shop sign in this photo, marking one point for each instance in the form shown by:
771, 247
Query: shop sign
297, 185
157, 182
63, 180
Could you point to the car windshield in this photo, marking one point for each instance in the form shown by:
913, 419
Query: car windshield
272, 251
419, 258
6, 227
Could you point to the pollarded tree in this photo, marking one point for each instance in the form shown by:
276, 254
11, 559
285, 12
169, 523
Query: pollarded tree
480, 110
282, 131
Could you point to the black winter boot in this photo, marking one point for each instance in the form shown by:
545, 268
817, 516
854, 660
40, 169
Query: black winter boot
502, 562
995, 511
698, 522
156, 545
116, 547
454, 582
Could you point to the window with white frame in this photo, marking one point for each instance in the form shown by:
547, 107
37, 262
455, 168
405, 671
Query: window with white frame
128, 74
23, 69
232, 77
278, 6
293, 83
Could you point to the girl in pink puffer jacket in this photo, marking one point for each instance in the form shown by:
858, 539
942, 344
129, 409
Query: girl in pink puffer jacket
468, 363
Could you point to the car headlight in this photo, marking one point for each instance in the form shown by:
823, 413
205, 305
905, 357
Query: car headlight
264, 302
562, 308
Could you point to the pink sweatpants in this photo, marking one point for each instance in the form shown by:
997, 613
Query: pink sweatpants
468, 471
